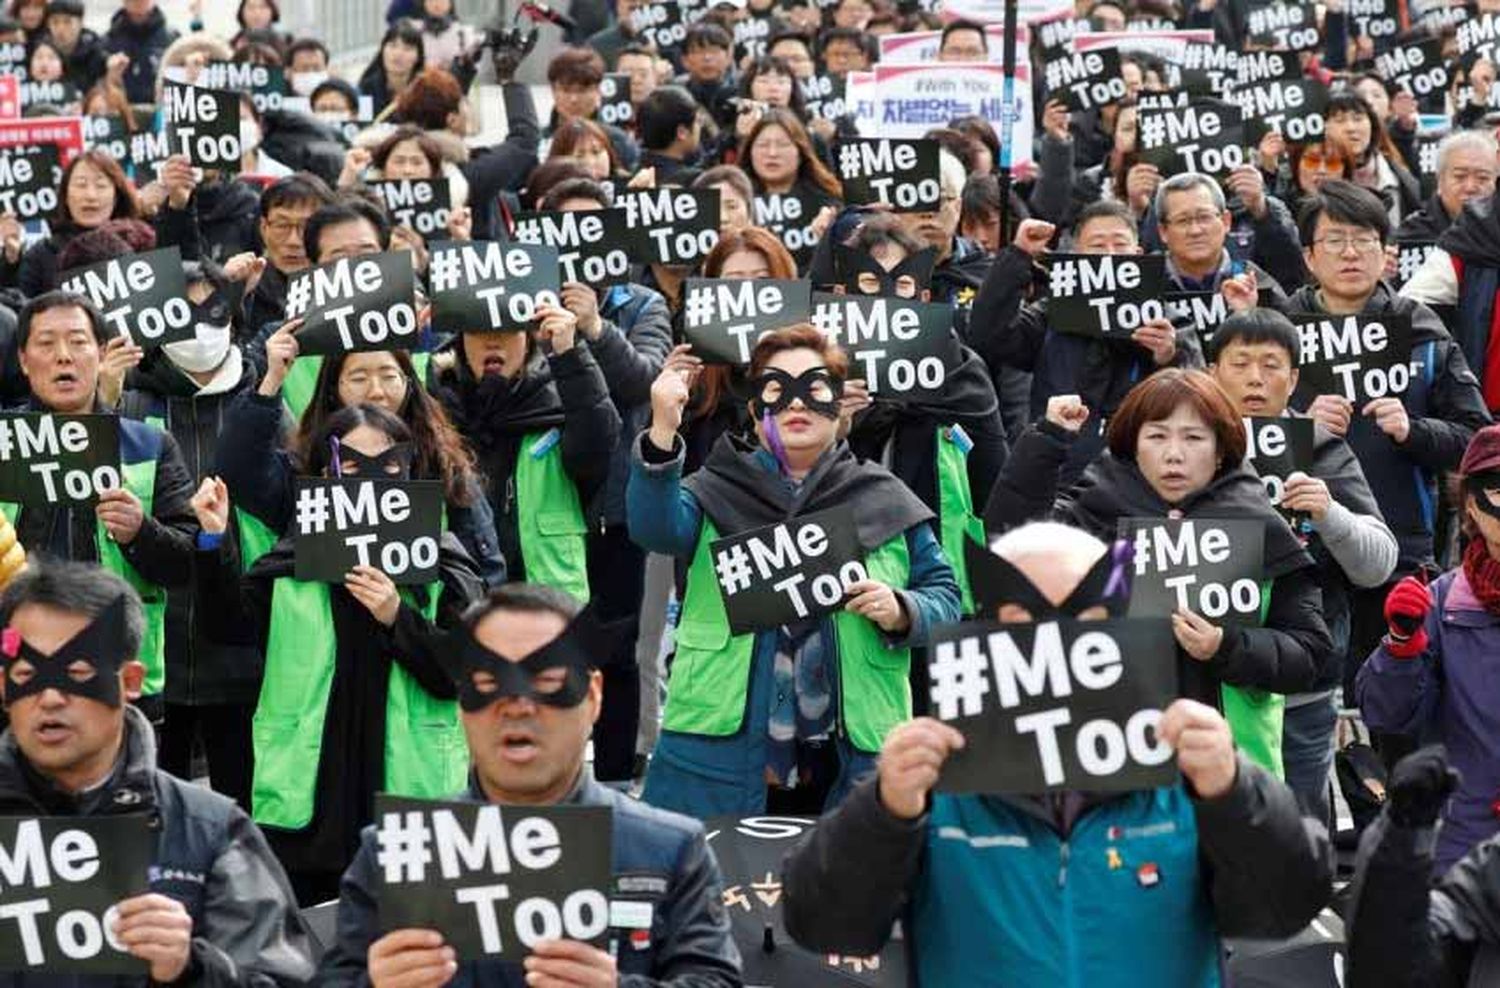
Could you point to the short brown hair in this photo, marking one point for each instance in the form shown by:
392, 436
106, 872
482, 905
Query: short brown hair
1158, 396
429, 100
802, 336
430, 148
575, 67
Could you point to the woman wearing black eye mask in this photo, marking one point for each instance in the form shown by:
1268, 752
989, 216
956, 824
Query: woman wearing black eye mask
352, 700
802, 707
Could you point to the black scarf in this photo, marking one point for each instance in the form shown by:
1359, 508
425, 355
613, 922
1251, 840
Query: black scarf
1474, 237
739, 494
484, 410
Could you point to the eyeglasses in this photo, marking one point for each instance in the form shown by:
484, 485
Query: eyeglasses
1317, 159
1188, 222
1364, 243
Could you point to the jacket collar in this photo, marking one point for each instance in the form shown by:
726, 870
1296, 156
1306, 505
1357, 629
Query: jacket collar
128, 788
585, 792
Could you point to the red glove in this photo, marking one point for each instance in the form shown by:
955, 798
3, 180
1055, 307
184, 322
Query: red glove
1406, 608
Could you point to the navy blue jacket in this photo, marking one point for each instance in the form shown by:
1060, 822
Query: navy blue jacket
630, 350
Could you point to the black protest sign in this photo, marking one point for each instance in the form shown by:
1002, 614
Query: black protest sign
1409, 260
789, 216
593, 247
1205, 136
1477, 38
1054, 706
148, 149
1212, 567
1292, 108
750, 37
204, 125
659, 25
13, 59
1056, 35
1202, 312
64, 876
1426, 146
900, 174
494, 880
672, 226
792, 571
109, 134
51, 92
1105, 294
724, 317
50, 459
28, 181
1417, 68
1359, 357
1164, 99
1284, 26
355, 303
1209, 70
266, 84
615, 107
898, 347
1085, 80
344, 522
823, 97
143, 296
1378, 20
1260, 66
1276, 448
420, 203
481, 286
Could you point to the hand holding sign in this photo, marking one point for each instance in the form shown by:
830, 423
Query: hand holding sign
176, 177
1198, 636
158, 930
911, 760
570, 964
281, 350
376, 592
557, 326
1241, 292
1204, 744
877, 602
411, 958
1305, 494
121, 514
580, 300
1159, 338
1390, 417
1332, 412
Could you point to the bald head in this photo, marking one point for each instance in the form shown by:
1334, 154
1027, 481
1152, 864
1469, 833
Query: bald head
1054, 557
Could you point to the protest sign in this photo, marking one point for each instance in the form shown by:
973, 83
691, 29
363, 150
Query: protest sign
750, 37
143, 296
660, 25
993, 12
479, 286
1276, 448
823, 97
344, 522
909, 100
1283, 26
48, 459
355, 303
148, 150
1207, 70
1426, 146
1105, 294
364, 115
1292, 108
921, 47
28, 182
1212, 567
791, 571
1057, 705
789, 216
65, 877
1056, 34
1205, 136
1169, 46
266, 84
204, 125
109, 134
1165, 99
493, 879
13, 59
1409, 260
900, 174
1477, 38
1263, 66
899, 348
420, 203
1202, 312
10, 97
671, 226
593, 247
615, 107
1359, 357
1378, 20
723, 318
51, 92
1417, 68
1085, 80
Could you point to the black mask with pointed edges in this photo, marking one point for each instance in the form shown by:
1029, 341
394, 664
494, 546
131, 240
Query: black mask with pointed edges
1480, 482
222, 307
819, 390
379, 467
583, 644
851, 263
99, 645
995, 582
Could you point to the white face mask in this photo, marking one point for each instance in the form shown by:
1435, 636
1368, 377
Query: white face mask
303, 83
249, 136
203, 353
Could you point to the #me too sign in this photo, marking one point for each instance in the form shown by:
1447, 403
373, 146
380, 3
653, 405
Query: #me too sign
344, 522
48, 459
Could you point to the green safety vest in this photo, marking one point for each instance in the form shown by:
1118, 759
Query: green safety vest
425, 752
302, 380
140, 480
956, 520
549, 519
1255, 716
710, 679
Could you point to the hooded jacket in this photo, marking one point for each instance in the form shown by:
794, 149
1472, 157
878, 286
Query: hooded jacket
208, 856
1290, 653
144, 43
1445, 407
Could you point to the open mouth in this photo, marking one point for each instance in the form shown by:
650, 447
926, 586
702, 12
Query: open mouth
67, 379
518, 746
1254, 401
53, 731
493, 364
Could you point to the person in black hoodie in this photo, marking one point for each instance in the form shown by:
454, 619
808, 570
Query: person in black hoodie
139, 29
1177, 450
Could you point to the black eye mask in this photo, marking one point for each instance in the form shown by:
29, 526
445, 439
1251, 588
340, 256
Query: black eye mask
800, 386
850, 264
996, 582
98, 645
374, 467
582, 646
221, 308
1477, 485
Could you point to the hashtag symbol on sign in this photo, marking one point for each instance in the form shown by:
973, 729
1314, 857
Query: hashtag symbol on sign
1153, 129
828, 318
849, 160
298, 294
733, 567
404, 846
699, 306
1064, 278
445, 267
956, 674
312, 509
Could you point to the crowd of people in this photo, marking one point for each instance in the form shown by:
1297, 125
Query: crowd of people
578, 644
